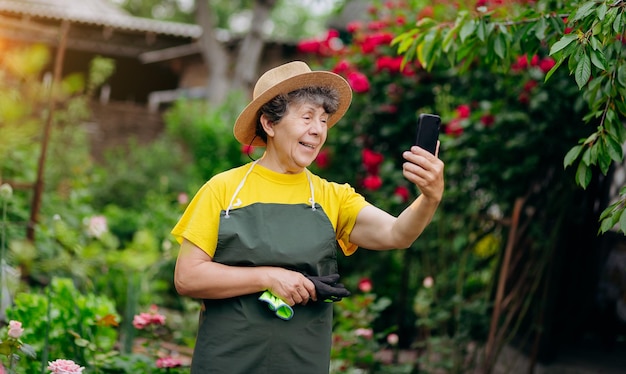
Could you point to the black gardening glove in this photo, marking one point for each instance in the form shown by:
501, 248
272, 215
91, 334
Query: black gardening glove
327, 288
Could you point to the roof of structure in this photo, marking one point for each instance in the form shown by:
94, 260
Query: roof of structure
96, 12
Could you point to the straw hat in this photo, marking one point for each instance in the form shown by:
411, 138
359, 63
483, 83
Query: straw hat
282, 80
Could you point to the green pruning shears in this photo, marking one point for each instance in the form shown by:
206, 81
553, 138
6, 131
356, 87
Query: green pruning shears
326, 287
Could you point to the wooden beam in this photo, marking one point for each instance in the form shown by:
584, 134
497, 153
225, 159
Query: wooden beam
169, 53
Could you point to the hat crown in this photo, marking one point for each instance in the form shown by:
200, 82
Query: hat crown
274, 76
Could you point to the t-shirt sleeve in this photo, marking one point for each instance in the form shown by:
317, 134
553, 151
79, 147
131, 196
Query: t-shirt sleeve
350, 205
199, 223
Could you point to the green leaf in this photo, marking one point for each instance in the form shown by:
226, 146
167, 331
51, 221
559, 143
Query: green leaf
617, 24
540, 29
447, 40
622, 221
598, 59
424, 50
583, 71
28, 350
562, 43
621, 106
556, 66
604, 160
467, 30
601, 11
572, 155
587, 158
583, 175
605, 225
481, 31
499, 46
621, 75
584, 10
613, 148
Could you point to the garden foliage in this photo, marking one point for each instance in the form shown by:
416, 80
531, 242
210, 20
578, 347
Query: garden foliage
495, 73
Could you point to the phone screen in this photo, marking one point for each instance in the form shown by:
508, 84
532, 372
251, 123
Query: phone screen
428, 131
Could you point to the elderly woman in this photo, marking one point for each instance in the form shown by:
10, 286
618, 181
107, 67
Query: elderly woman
262, 238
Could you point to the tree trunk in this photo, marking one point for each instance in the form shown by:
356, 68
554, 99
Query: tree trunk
215, 55
252, 46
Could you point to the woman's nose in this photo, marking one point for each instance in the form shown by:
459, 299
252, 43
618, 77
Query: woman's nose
316, 126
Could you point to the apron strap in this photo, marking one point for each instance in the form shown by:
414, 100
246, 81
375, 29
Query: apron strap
240, 186
312, 199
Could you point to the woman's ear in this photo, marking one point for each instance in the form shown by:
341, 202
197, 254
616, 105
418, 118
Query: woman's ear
268, 126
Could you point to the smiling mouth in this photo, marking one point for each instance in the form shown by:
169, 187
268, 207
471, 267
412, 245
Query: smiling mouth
308, 145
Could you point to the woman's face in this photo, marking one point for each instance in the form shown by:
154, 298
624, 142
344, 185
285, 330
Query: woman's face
295, 141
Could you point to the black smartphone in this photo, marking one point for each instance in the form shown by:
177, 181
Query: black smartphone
428, 131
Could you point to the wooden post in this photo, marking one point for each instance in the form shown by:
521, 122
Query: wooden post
39, 183
504, 272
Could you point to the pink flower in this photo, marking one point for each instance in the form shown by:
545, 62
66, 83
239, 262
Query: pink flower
358, 81
428, 282
97, 226
393, 339
143, 320
365, 285
64, 367
168, 362
182, 198
366, 333
15, 329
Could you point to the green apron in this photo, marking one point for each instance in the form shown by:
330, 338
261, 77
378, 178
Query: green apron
241, 334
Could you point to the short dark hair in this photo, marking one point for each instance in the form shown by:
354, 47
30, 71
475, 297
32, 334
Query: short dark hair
275, 109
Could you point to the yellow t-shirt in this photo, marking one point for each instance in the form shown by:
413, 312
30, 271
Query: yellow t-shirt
200, 222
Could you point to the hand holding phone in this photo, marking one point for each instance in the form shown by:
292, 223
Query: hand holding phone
428, 132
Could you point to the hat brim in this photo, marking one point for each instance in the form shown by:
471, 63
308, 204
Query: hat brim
245, 126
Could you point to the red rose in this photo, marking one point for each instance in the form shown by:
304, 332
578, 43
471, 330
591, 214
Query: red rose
247, 149
358, 81
402, 192
354, 26
454, 127
372, 182
372, 160
323, 159
342, 67
487, 120
463, 111
530, 85
365, 285
309, 46
546, 64
376, 25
